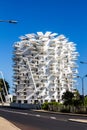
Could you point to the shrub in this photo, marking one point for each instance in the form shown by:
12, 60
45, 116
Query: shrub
45, 106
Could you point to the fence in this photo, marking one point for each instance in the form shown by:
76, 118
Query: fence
25, 106
69, 109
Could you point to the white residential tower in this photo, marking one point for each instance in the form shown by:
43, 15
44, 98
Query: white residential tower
44, 67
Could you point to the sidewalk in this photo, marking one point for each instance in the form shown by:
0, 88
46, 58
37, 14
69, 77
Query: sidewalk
6, 125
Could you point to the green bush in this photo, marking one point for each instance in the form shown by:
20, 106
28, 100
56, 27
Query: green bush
45, 106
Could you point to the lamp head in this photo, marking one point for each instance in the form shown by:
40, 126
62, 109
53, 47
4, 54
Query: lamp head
12, 21
81, 62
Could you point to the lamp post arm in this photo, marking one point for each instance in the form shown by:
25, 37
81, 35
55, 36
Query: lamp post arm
9, 21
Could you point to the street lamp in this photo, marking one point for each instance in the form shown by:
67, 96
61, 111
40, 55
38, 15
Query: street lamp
82, 79
9, 21
13, 22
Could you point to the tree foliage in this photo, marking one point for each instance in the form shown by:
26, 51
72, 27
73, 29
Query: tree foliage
67, 98
78, 99
76, 94
74, 98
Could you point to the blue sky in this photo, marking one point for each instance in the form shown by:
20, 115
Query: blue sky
68, 17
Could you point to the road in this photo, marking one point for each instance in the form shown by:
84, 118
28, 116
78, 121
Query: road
31, 120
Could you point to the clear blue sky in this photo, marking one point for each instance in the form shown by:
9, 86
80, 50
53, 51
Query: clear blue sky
68, 17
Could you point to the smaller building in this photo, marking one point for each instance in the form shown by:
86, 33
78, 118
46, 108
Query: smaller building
9, 98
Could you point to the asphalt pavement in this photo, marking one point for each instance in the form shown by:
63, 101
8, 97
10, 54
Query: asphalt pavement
6, 125
82, 120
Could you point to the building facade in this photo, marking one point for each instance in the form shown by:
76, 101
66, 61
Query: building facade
44, 67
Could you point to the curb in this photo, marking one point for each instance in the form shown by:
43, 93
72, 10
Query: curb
72, 120
73, 114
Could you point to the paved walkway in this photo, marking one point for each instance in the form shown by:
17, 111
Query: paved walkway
6, 125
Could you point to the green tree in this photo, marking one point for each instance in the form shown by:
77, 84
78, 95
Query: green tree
3, 84
77, 100
68, 98
76, 94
